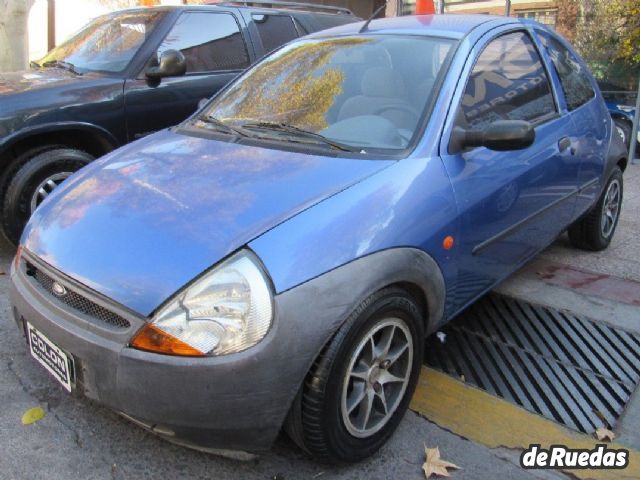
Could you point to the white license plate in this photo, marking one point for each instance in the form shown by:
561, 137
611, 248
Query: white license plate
50, 356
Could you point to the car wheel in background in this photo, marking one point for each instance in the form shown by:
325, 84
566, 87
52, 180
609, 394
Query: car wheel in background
360, 385
33, 182
595, 231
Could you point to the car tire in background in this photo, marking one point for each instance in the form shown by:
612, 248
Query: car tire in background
624, 130
595, 231
34, 179
375, 357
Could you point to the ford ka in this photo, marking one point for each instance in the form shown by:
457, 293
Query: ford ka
276, 261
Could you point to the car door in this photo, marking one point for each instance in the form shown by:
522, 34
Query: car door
215, 51
272, 30
511, 203
590, 118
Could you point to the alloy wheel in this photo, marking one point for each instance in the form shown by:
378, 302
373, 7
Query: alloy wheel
377, 377
46, 187
610, 209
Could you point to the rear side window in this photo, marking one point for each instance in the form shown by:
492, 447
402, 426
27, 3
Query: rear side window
573, 78
274, 30
508, 82
209, 41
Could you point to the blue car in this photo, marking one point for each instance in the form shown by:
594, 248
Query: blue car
276, 261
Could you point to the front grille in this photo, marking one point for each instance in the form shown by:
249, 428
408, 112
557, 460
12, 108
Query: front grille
77, 301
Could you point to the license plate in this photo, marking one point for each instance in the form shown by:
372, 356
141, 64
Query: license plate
50, 356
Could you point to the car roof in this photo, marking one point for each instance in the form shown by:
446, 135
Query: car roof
445, 25
213, 6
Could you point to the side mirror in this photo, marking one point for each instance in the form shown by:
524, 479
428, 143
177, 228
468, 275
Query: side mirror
172, 64
501, 135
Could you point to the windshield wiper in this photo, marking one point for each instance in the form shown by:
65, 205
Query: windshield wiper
216, 122
61, 64
300, 132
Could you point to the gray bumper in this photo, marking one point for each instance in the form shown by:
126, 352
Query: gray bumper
235, 402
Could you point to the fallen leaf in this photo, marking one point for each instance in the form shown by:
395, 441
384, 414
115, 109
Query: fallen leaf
434, 465
32, 415
605, 434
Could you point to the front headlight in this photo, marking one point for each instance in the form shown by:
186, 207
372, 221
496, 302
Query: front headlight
227, 310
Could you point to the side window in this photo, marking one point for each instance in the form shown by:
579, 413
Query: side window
573, 78
508, 82
209, 41
274, 30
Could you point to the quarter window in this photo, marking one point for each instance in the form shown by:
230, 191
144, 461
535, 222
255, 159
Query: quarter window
573, 76
209, 42
508, 82
274, 30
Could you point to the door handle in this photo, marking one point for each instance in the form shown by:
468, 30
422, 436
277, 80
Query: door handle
564, 143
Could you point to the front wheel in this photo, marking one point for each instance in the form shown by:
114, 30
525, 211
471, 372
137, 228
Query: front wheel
595, 231
33, 182
360, 386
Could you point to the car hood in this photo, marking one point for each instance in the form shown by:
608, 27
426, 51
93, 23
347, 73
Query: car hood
144, 221
18, 82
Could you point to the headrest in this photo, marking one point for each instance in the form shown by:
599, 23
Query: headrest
382, 82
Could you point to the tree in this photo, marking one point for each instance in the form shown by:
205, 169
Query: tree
567, 19
607, 35
14, 42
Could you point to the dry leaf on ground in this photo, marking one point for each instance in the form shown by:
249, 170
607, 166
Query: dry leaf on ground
434, 465
32, 415
604, 434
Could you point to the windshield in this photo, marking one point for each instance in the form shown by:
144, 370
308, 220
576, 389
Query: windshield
106, 44
364, 92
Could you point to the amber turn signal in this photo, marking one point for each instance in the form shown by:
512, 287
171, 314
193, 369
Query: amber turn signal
448, 242
152, 339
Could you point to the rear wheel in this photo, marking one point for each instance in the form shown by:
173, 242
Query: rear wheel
360, 386
595, 231
33, 182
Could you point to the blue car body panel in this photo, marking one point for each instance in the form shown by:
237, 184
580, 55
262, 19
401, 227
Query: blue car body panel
173, 205
614, 109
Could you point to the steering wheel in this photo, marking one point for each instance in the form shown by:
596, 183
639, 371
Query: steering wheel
400, 108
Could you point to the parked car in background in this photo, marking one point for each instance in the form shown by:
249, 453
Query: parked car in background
278, 259
621, 105
126, 75
623, 116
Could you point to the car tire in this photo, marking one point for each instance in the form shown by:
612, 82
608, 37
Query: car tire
327, 420
595, 231
42, 170
624, 130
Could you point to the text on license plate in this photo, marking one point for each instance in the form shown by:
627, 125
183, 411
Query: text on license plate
50, 356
